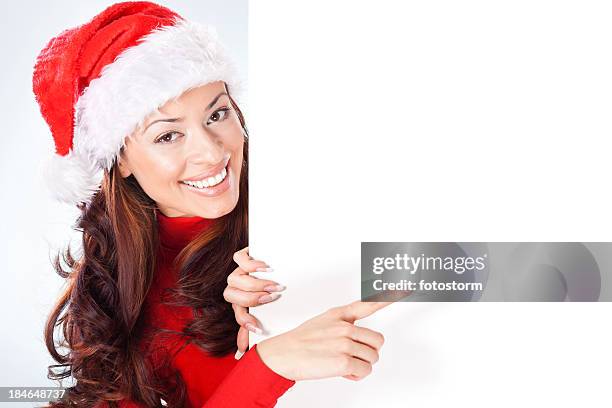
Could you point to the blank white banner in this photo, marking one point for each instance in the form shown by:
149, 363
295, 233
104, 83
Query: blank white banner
433, 121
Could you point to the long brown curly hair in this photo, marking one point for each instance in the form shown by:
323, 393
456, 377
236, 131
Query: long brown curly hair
100, 311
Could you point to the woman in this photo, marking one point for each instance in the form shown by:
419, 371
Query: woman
153, 148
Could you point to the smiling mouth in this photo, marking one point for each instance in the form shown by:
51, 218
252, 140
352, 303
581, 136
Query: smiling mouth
208, 182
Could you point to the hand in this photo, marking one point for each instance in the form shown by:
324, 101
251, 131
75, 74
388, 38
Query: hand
244, 290
328, 345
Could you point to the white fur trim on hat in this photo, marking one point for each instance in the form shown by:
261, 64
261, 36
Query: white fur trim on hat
164, 64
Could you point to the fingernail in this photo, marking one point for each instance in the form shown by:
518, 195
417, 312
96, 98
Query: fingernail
262, 269
269, 298
238, 355
275, 288
253, 328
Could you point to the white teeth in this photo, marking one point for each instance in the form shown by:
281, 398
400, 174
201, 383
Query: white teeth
208, 182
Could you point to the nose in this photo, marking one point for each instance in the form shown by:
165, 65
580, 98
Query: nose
203, 146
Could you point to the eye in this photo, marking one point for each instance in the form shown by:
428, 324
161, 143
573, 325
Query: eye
218, 116
167, 138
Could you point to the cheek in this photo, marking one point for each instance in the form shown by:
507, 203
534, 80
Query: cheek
235, 139
155, 171
237, 147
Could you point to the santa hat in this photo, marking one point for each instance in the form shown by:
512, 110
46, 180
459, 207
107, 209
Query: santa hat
97, 82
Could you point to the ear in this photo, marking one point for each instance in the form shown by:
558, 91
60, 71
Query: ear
124, 169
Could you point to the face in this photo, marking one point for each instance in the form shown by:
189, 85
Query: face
187, 156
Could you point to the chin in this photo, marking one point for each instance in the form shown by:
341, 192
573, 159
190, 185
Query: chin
217, 212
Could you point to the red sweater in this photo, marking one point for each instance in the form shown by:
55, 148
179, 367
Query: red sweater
210, 382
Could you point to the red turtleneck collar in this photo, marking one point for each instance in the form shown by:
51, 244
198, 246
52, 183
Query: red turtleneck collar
176, 232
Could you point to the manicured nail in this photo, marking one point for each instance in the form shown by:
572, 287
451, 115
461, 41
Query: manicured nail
253, 328
262, 269
238, 355
275, 288
269, 298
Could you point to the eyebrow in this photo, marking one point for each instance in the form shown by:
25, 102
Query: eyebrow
210, 105
162, 120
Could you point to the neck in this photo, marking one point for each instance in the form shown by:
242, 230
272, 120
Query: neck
176, 232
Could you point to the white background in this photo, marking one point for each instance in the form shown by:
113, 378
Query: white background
377, 121
434, 121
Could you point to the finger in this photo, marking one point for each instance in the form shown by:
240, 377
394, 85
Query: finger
363, 335
248, 264
357, 350
359, 310
253, 284
248, 299
244, 250
389, 295
350, 377
355, 367
242, 340
247, 320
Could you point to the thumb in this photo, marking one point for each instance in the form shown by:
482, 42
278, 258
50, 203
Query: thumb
358, 310
242, 340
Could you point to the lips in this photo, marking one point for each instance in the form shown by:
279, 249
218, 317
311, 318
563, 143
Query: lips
211, 173
214, 191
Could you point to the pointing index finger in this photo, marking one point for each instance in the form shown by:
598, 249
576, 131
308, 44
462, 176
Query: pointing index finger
359, 310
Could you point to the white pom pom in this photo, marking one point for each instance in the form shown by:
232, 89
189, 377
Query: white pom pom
72, 178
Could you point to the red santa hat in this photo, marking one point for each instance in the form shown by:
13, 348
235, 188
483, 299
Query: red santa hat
97, 82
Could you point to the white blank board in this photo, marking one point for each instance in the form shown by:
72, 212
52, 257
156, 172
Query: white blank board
433, 121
